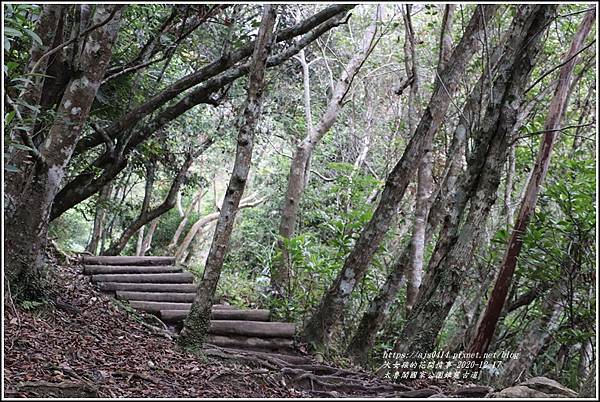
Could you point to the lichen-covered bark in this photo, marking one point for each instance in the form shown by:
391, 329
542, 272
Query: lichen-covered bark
414, 272
33, 190
479, 185
196, 324
588, 388
299, 169
319, 328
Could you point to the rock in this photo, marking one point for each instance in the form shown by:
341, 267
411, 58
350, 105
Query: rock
477, 391
439, 395
520, 391
65, 389
549, 386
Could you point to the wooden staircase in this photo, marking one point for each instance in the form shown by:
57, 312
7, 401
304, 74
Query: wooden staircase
155, 285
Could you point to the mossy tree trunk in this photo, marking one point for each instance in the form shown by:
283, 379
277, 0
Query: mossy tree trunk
31, 192
196, 324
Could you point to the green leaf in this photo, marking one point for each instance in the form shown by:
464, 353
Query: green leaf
34, 36
21, 146
9, 117
13, 33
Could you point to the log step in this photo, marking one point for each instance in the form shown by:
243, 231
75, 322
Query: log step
246, 342
147, 287
126, 260
182, 277
156, 307
173, 316
285, 357
157, 296
252, 328
125, 269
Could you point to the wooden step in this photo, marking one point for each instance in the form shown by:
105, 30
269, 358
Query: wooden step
182, 277
290, 358
126, 260
252, 328
253, 343
129, 269
147, 287
173, 316
156, 307
157, 296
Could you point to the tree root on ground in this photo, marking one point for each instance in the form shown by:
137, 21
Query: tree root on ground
318, 379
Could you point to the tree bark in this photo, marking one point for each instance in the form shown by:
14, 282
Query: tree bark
140, 240
197, 324
321, 325
46, 29
100, 219
489, 319
201, 223
147, 242
186, 216
30, 194
588, 388
445, 269
425, 179
300, 166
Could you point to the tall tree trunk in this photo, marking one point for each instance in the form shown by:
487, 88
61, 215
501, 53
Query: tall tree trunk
297, 178
588, 388
412, 69
46, 29
508, 207
140, 240
449, 259
424, 177
31, 192
186, 216
319, 328
378, 310
100, 219
179, 206
197, 322
147, 242
489, 319
201, 223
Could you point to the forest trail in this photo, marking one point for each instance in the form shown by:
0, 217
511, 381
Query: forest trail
153, 284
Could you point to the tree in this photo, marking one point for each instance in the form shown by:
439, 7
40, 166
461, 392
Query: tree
125, 136
29, 194
196, 324
479, 184
489, 318
321, 325
300, 166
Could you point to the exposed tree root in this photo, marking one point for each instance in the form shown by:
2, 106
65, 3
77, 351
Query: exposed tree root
318, 379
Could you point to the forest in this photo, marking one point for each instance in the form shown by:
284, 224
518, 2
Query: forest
299, 200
